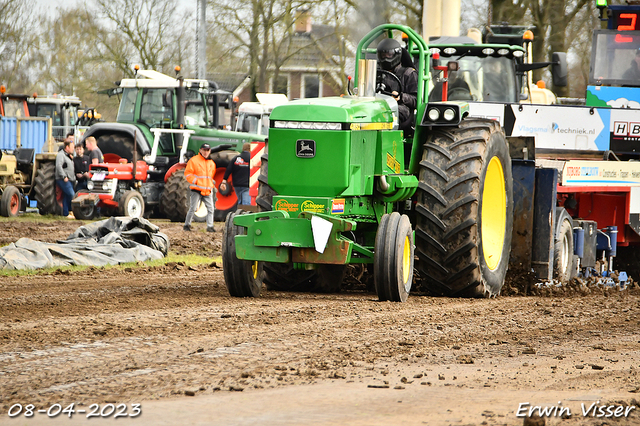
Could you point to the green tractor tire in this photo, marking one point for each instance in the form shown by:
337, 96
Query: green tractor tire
225, 202
47, 195
283, 276
174, 201
119, 145
393, 258
243, 278
264, 200
464, 211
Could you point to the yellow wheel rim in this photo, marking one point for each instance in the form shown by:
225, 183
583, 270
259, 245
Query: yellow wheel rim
254, 269
494, 214
406, 260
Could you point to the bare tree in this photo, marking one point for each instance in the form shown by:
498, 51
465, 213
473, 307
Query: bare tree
18, 32
145, 32
256, 27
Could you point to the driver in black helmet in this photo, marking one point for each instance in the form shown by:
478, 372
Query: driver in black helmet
390, 59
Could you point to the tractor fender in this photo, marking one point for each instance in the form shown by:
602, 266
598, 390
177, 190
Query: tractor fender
173, 169
130, 130
561, 214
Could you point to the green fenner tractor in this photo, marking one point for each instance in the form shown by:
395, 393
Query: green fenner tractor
341, 185
151, 102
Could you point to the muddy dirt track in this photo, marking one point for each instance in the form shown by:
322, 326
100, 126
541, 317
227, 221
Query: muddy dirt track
170, 338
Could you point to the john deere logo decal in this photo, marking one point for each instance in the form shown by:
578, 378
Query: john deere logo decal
305, 148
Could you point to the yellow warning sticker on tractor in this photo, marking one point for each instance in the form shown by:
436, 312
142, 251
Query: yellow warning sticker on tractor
392, 163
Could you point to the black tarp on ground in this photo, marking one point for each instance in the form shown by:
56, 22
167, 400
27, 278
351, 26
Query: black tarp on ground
108, 242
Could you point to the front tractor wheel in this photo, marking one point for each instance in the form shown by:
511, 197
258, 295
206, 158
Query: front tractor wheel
10, 203
393, 258
84, 212
563, 261
131, 204
243, 278
464, 211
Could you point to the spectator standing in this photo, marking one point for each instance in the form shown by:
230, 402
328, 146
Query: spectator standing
93, 152
81, 168
238, 168
65, 176
199, 173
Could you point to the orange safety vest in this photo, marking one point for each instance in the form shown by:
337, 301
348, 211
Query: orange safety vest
199, 173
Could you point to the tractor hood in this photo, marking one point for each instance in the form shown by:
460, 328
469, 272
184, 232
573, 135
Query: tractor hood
344, 110
326, 147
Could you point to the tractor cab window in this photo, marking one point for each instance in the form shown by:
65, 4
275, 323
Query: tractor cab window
488, 79
49, 111
194, 114
615, 58
127, 109
156, 107
71, 115
14, 108
249, 123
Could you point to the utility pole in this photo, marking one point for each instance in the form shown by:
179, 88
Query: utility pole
201, 40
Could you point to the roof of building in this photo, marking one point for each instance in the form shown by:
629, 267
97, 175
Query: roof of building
227, 81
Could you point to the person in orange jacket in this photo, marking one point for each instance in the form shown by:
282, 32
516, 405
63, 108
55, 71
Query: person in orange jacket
199, 173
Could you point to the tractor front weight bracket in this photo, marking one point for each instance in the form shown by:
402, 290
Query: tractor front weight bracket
275, 236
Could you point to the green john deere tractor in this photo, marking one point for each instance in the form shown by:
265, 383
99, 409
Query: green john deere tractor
340, 185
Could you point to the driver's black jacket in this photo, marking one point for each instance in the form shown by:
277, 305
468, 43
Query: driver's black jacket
409, 92
409, 79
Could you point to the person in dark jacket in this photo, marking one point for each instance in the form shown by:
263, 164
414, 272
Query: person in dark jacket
81, 168
389, 59
239, 168
65, 176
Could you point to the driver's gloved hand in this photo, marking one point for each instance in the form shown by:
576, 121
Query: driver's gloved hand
396, 96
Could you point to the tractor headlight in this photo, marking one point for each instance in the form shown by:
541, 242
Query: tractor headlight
107, 184
449, 114
488, 51
434, 114
90, 185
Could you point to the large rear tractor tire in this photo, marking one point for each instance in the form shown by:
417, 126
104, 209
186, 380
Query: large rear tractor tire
174, 200
119, 145
393, 258
225, 203
48, 197
464, 212
264, 200
10, 202
563, 258
131, 204
243, 278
